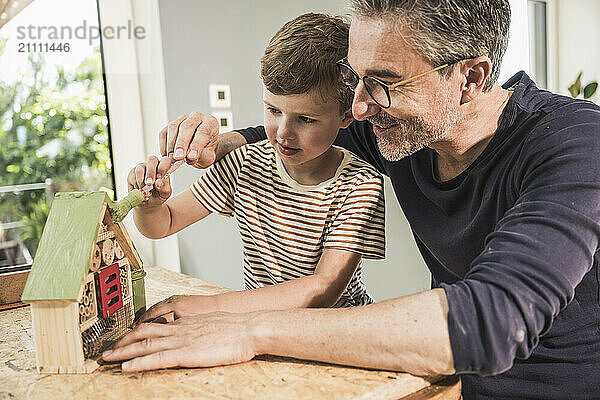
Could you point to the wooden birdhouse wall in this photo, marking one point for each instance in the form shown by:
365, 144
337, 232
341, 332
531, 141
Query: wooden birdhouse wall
106, 305
57, 336
80, 287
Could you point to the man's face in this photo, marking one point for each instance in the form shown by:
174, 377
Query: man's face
422, 111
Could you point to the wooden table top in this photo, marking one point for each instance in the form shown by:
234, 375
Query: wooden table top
266, 377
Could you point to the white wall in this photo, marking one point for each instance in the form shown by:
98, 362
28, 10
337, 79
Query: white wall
221, 42
578, 35
516, 57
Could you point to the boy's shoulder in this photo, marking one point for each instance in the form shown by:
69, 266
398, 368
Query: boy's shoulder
359, 169
261, 150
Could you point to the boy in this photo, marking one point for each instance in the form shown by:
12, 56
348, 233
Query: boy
307, 211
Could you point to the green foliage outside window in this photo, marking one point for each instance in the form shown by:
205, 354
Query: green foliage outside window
52, 125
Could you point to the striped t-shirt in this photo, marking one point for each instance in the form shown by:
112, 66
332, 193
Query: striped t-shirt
285, 225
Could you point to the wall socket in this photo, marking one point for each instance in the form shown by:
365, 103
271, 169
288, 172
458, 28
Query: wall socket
219, 95
225, 119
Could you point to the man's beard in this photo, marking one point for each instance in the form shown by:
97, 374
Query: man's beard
409, 135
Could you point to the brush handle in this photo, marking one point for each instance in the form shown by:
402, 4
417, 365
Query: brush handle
148, 188
175, 164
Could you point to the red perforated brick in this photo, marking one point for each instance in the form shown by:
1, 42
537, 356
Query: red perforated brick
111, 296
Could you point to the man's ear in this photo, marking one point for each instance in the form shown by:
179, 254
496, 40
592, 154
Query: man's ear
347, 119
475, 72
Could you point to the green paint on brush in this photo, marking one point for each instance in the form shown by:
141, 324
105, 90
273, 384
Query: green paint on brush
120, 209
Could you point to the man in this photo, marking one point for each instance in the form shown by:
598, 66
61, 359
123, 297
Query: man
501, 187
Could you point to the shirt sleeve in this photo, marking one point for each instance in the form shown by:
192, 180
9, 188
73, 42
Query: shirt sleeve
253, 134
215, 189
538, 253
359, 225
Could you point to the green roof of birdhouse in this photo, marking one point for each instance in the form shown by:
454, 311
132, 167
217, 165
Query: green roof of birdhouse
62, 260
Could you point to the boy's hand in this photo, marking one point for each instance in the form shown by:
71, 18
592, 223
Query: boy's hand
176, 307
191, 137
151, 173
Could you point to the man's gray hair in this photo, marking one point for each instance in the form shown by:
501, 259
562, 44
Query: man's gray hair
446, 31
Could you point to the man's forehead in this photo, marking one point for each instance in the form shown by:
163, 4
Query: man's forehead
377, 44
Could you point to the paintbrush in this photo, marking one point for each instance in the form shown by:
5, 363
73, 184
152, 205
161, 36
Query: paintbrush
175, 164
120, 209
146, 189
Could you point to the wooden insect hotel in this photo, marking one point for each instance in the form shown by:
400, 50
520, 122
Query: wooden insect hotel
80, 284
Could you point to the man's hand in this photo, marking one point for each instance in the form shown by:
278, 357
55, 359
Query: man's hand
176, 307
151, 173
198, 341
191, 137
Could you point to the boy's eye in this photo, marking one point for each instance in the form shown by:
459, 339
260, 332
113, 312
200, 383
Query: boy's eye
273, 110
307, 120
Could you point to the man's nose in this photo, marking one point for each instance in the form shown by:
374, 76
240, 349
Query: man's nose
363, 105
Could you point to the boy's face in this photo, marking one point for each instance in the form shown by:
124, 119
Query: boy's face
302, 127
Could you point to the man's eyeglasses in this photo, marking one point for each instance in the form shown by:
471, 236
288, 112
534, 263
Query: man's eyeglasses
377, 89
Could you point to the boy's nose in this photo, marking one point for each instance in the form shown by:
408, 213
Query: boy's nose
284, 131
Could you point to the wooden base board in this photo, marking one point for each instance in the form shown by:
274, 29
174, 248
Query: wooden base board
87, 367
12, 305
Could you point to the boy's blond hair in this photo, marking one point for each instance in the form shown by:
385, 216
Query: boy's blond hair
301, 58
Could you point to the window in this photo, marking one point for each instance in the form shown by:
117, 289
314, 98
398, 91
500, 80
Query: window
543, 40
54, 133
538, 58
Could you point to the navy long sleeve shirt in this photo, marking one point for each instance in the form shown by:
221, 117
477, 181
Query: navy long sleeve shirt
513, 240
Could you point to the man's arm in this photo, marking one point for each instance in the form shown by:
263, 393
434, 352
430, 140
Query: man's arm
322, 289
404, 334
195, 138
228, 142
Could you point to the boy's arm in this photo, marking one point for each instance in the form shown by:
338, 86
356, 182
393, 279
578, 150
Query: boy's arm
323, 289
157, 222
158, 217
161, 215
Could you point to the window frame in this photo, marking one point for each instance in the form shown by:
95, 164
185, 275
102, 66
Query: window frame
137, 106
551, 44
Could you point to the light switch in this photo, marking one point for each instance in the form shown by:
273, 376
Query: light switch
225, 119
220, 96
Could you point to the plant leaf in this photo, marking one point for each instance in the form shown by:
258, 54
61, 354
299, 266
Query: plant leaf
589, 90
575, 87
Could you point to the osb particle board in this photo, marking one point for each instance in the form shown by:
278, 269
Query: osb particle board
266, 377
